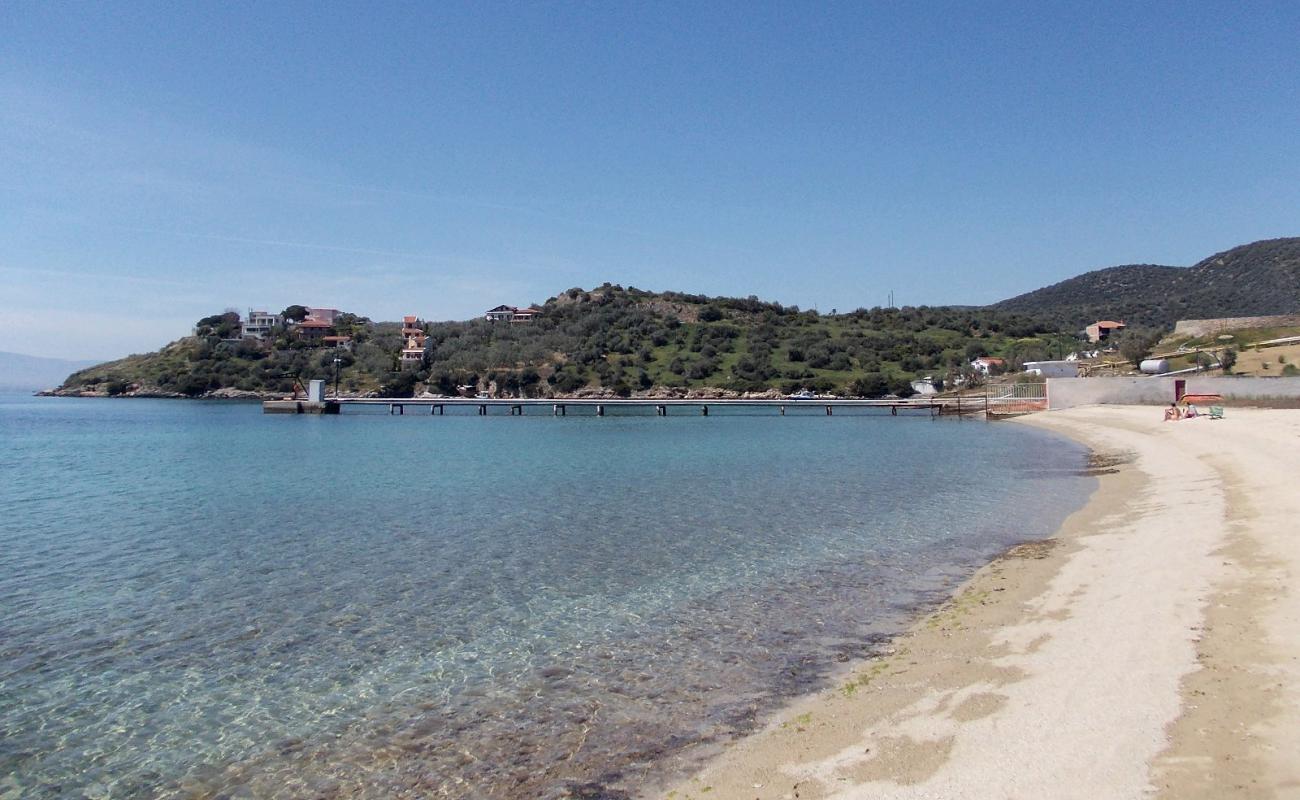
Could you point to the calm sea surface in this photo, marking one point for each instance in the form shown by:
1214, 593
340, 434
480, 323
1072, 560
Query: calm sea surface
197, 600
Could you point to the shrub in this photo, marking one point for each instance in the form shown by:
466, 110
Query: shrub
873, 384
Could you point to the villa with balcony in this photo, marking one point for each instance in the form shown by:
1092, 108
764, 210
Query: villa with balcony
260, 325
416, 346
512, 314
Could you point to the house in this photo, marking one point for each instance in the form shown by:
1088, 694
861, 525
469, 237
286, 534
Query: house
312, 330
260, 325
924, 386
327, 315
1053, 369
416, 346
987, 365
1101, 330
511, 314
344, 342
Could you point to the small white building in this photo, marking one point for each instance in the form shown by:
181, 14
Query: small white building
260, 325
1053, 369
512, 314
987, 365
924, 386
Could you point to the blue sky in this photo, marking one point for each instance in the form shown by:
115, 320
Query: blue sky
159, 162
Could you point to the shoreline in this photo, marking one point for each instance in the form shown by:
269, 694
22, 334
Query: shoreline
1152, 646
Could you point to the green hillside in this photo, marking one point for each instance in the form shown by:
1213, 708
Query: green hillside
608, 339
1256, 279
627, 341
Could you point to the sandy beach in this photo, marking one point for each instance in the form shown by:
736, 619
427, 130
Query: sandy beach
1152, 648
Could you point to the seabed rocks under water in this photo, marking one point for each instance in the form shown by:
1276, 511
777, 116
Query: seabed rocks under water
420, 617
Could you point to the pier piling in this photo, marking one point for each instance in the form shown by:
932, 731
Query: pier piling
560, 406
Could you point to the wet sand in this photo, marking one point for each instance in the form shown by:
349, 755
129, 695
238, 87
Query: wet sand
1152, 648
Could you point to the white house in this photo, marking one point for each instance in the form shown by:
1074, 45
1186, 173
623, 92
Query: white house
511, 314
924, 386
985, 365
259, 325
1053, 369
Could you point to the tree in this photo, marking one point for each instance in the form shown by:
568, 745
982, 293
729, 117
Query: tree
1135, 345
1227, 360
710, 314
222, 326
401, 385
295, 313
873, 384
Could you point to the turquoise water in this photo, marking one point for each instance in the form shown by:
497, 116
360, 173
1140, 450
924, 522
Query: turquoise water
202, 601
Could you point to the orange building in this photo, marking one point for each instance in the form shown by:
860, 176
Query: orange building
416, 342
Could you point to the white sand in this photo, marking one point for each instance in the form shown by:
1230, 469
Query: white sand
1156, 651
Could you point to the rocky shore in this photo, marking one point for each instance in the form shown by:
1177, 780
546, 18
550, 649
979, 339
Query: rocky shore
138, 391
657, 393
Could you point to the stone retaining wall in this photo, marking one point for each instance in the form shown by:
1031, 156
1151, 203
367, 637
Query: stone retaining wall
1205, 327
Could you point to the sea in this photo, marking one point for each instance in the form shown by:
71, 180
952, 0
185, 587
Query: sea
201, 601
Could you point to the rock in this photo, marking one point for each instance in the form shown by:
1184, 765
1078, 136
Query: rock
230, 393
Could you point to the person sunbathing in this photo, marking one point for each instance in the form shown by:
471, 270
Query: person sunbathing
1191, 411
1172, 413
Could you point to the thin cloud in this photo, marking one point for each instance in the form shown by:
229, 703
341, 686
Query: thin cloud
94, 276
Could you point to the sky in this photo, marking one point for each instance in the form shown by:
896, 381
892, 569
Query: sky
164, 161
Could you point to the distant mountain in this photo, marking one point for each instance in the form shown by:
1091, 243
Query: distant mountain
1253, 279
20, 372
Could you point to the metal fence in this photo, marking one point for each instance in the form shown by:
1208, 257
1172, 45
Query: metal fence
1017, 398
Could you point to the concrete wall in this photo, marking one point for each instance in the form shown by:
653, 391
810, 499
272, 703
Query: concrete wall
1203, 327
1070, 392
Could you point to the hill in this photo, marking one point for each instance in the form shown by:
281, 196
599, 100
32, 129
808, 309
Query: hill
1260, 278
624, 341
608, 340
20, 372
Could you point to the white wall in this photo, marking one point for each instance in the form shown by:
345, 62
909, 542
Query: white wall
1053, 369
1070, 392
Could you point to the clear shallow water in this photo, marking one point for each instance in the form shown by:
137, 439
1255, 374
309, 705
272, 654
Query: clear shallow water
198, 600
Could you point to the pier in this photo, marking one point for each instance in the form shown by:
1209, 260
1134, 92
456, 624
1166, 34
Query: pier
437, 406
